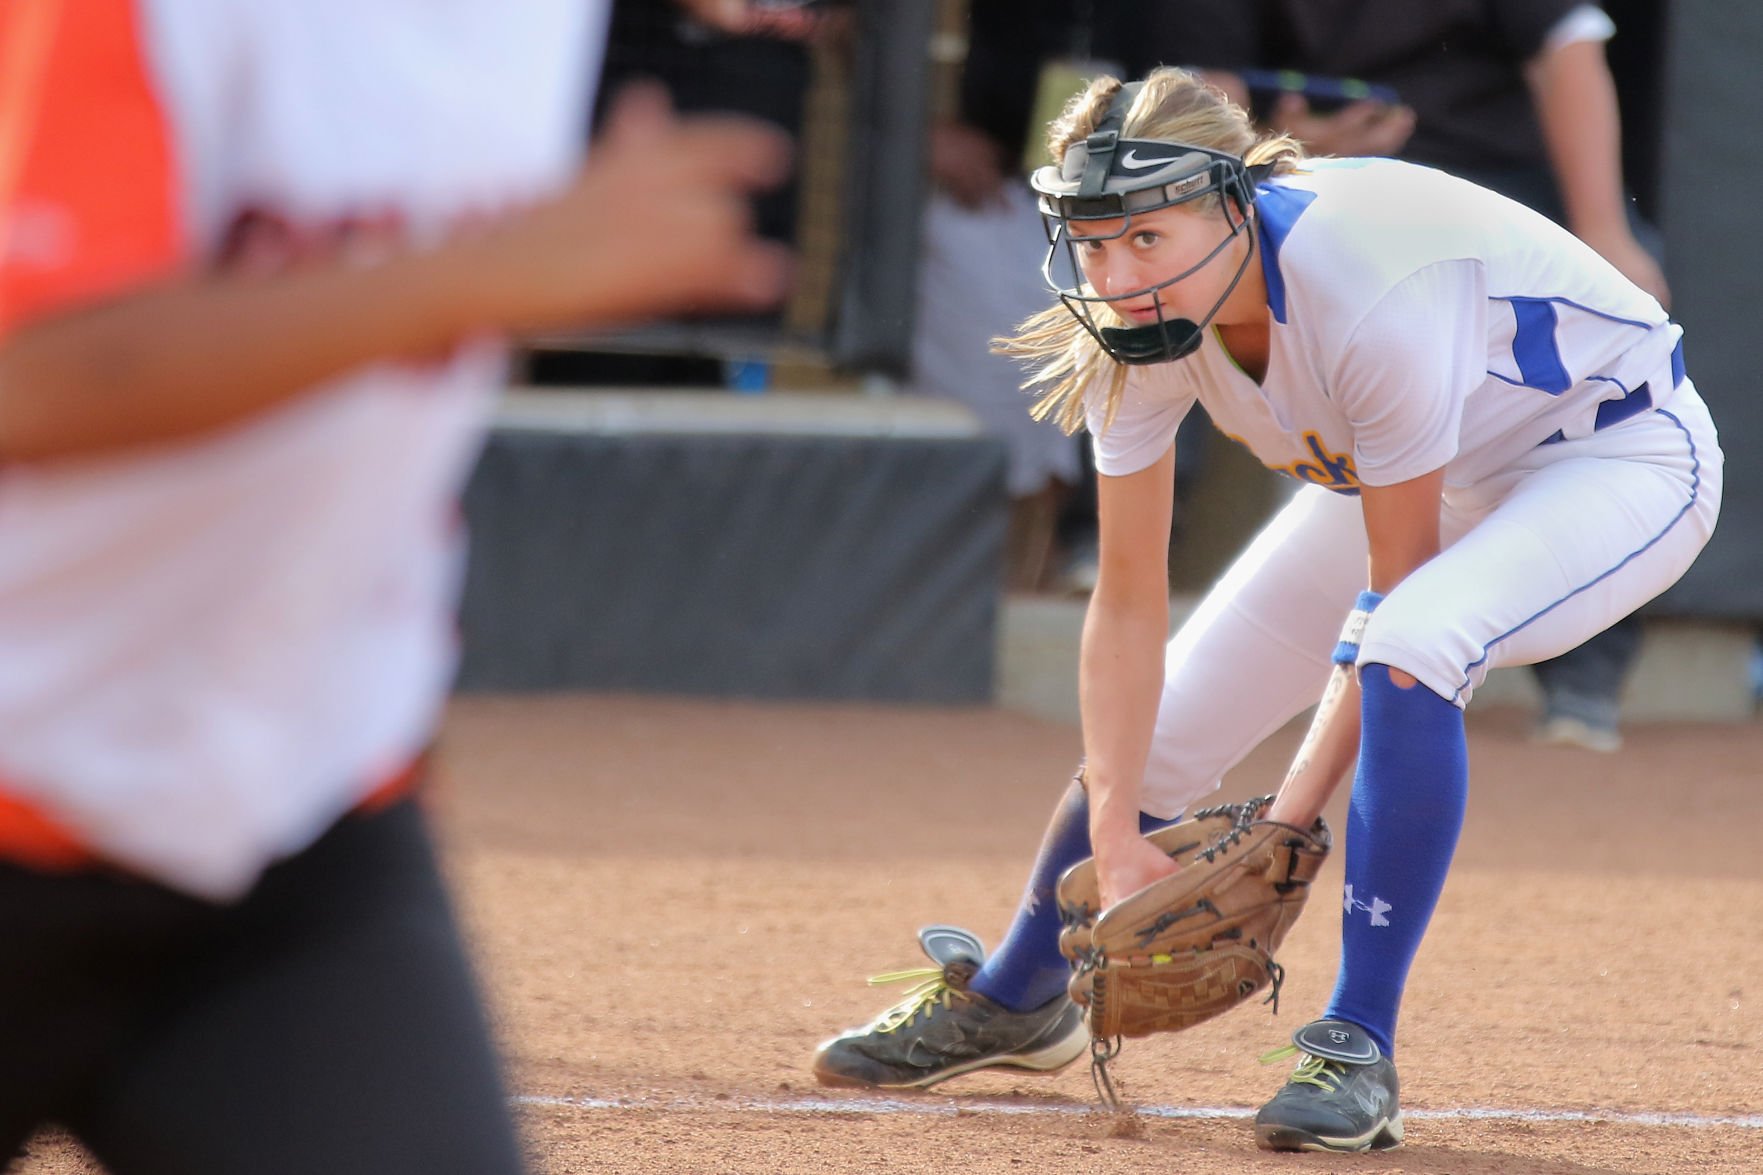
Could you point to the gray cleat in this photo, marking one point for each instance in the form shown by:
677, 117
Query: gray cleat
1341, 1097
941, 1029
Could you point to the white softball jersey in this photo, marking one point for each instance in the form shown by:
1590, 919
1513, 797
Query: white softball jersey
1419, 323
210, 650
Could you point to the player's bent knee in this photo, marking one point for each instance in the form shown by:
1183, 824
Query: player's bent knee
1415, 649
1381, 678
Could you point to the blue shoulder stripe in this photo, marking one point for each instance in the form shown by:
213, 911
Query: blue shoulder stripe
1277, 210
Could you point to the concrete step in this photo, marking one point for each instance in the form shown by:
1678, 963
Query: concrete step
1687, 670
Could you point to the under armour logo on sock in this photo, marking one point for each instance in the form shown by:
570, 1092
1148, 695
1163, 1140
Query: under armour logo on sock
1377, 907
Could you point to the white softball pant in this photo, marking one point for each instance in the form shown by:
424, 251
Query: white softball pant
1536, 560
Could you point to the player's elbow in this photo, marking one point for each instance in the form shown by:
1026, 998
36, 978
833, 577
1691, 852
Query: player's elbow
1134, 580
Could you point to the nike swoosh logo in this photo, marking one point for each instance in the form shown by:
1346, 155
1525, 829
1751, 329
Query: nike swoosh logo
1370, 1099
1132, 162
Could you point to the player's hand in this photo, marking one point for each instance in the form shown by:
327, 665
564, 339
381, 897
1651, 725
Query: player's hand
1620, 249
1125, 868
968, 164
744, 18
658, 223
1357, 129
1229, 82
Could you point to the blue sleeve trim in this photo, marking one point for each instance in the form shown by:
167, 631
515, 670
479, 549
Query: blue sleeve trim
1534, 346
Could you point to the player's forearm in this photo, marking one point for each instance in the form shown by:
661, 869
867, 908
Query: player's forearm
1402, 533
182, 359
1575, 99
1120, 682
1327, 753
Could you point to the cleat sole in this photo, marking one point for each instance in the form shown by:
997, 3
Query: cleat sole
1386, 1135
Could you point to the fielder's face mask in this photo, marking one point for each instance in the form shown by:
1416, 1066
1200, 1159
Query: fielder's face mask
1105, 178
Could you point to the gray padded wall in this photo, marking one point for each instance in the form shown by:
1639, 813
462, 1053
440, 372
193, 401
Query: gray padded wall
852, 567
1711, 193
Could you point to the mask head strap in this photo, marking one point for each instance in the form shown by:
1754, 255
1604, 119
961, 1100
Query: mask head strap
1100, 144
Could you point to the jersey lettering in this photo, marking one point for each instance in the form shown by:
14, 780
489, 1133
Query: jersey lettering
1334, 470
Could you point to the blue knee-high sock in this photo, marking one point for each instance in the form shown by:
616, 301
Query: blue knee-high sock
1027, 970
1402, 827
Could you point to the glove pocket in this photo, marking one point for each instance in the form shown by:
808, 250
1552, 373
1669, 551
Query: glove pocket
1142, 995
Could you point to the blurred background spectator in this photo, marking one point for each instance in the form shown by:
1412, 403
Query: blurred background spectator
763, 59
980, 265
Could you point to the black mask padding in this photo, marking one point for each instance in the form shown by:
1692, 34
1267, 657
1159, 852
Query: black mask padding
1159, 342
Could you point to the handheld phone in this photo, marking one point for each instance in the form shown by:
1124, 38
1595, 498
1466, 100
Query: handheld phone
1322, 93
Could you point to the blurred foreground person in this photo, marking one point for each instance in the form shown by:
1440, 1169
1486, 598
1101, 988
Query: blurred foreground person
253, 261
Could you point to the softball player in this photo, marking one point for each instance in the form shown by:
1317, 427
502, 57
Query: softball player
1503, 455
251, 259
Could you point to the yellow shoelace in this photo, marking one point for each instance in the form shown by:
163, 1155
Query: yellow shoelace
930, 988
1312, 1070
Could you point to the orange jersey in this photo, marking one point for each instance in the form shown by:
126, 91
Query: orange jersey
210, 650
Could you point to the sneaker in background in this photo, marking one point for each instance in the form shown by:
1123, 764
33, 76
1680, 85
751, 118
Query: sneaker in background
1566, 730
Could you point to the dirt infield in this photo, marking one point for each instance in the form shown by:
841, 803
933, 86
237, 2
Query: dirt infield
673, 901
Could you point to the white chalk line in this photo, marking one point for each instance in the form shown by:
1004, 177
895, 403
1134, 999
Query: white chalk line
857, 1107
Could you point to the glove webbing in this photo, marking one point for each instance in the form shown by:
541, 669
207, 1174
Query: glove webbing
1103, 1050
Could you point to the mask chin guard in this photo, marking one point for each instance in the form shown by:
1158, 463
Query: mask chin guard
1158, 342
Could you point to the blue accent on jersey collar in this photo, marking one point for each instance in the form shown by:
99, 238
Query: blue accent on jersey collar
1277, 210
